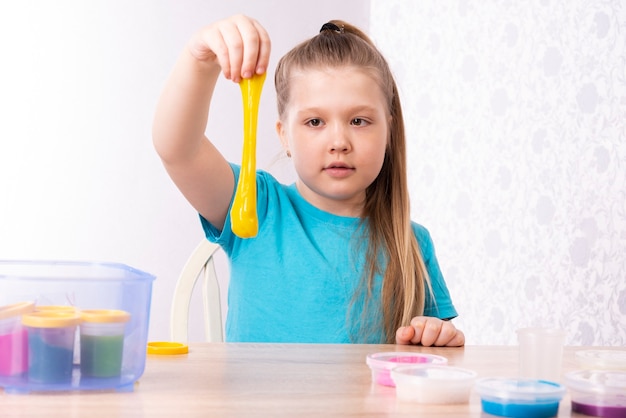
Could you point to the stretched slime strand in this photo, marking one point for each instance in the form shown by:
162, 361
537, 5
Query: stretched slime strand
244, 221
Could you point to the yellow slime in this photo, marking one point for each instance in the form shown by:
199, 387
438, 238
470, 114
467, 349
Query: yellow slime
244, 221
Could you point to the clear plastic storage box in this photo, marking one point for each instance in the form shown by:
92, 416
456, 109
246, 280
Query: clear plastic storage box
72, 325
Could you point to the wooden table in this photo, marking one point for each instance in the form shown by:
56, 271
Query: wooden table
271, 380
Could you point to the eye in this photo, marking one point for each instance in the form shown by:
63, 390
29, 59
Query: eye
358, 122
314, 122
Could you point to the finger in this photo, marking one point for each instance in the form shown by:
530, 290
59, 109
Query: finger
265, 48
246, 49
458, 340
232, 60
404, 335
418, 323
447, 333
432, 328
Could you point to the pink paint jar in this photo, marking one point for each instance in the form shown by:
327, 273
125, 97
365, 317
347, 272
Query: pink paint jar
13, 339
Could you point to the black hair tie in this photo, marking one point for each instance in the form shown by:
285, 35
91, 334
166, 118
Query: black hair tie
332, 27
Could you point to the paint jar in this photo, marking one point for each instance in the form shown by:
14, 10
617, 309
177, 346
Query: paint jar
51, 336
102, 342
433, 384
382, 363
13, 339
540, 353
599, 393
520, 398
62, 308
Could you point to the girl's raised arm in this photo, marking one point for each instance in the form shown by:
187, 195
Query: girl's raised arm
238, 47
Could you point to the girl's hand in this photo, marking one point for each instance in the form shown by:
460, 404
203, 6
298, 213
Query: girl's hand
427, 331
239, 45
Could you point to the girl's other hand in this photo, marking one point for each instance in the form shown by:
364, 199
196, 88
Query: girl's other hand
238, 44
429, 331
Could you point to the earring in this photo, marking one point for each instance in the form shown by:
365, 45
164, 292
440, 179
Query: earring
288, 154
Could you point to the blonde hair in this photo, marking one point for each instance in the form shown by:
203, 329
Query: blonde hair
386, 214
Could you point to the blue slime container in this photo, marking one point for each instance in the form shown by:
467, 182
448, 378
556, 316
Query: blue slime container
521, 398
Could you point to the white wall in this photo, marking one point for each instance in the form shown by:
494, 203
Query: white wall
79, 179
516, 113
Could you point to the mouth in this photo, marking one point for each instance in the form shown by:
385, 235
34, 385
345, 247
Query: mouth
338, 169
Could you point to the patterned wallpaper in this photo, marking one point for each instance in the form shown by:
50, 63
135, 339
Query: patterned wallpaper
516, 116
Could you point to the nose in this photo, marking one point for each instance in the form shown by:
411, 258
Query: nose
340, 141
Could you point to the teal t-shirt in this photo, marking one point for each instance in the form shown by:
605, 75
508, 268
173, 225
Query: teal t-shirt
296, 280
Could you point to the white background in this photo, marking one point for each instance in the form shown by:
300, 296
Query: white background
516, 115
79, 81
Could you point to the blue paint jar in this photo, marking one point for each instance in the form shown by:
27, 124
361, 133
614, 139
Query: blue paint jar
51, 336
520, 397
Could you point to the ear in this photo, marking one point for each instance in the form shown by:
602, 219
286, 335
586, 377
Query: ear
280, 130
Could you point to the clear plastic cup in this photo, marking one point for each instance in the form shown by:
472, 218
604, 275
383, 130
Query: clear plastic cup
13, 339
102, 342
541, 353
51, 336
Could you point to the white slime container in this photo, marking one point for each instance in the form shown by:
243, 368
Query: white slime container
433, 384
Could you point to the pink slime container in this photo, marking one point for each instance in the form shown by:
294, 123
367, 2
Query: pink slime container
382, 363
13, 339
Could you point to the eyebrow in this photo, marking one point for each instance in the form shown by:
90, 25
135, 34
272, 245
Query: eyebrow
319, 109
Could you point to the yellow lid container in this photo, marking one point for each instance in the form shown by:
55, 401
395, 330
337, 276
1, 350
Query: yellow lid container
16, 309
104, 315
56, 308
51, 319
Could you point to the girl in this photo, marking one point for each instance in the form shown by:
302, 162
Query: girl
337, 258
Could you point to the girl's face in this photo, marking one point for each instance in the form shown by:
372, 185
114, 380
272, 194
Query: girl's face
336, 130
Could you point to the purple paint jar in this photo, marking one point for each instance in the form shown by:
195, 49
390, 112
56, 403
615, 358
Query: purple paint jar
599, 393
13, 339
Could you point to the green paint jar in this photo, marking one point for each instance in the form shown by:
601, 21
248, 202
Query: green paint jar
102, 342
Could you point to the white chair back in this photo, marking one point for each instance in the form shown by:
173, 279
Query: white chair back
199, 265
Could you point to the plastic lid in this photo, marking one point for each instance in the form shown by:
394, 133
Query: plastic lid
602, 359
104, 315
524, 390
167, 348
51, 319
390, 359
607, 382
56, 308
431, 374
16, 309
